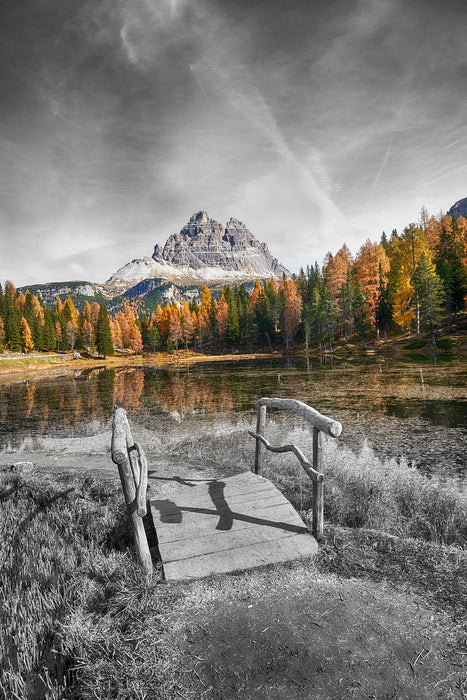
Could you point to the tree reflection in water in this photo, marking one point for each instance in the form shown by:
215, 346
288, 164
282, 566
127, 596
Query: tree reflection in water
385, 404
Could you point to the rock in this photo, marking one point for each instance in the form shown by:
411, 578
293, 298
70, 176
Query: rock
459, 208
204, 243
203, 251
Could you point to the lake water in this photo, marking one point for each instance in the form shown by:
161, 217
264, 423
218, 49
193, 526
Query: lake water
414, 410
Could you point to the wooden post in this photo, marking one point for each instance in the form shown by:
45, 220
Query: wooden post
121, 441
260, 426
318, 486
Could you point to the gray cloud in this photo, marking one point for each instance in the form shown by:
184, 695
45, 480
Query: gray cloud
315, 123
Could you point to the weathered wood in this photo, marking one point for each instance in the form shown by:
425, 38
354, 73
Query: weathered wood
226, 525
135, 493
318, 490
260, 426
312, 473
241, 558
323, 423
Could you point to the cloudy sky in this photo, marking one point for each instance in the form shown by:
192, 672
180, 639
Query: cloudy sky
312, 121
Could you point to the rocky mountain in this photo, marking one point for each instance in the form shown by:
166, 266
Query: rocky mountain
459, 208
203, 252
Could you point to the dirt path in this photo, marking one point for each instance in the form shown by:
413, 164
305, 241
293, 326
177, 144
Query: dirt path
292, 632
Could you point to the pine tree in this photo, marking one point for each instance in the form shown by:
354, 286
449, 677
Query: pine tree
346, 296
12, 319
360, 311
431, 293
49, 337
154, 337
448, 260
232, 331
383, 310
103, 334
245, 315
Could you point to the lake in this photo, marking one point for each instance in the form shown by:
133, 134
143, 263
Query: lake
413, 410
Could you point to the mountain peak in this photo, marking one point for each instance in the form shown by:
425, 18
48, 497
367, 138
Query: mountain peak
201, 217
204, 251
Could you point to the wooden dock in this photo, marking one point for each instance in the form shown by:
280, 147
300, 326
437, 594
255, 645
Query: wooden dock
226, 525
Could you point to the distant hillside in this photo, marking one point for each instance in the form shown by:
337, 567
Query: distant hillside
459, 208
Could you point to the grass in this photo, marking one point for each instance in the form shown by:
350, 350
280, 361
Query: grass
79, 623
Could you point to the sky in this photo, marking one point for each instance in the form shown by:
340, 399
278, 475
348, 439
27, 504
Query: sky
315, 122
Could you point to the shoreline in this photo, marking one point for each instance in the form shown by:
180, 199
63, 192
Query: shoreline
19, 367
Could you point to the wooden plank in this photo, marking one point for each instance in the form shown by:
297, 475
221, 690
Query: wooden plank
173, 511
231, 524
213, 499
241, 558
280, 516
221, 540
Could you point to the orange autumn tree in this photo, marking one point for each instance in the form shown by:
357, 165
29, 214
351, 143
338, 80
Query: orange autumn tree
134, 339
292, 310
367, 273
116, 332
221, 313
336, 270
175, 326
188, 325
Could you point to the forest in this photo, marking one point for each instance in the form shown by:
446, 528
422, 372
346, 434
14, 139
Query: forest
411, 282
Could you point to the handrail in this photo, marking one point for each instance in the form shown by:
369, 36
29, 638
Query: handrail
133, 470
321, 424
312, 473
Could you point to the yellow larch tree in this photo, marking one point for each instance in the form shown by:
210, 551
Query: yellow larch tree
26, 335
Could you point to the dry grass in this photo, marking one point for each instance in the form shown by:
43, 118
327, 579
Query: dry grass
78, 623
364, 491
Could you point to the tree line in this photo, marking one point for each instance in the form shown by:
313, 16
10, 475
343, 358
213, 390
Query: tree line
407, 282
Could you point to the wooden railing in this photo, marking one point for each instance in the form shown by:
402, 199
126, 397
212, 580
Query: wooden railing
133, 470
321, 424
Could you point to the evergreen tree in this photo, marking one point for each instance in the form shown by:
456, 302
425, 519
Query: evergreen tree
154, 337
448, 260
232, 331
431, 294
245, 315
103, 334
346, 296
360, 311
12, 320
383, 310
49, 338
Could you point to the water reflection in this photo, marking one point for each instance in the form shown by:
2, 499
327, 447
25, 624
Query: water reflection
397, 407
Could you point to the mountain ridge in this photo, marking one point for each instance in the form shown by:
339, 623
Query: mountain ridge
203, 252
